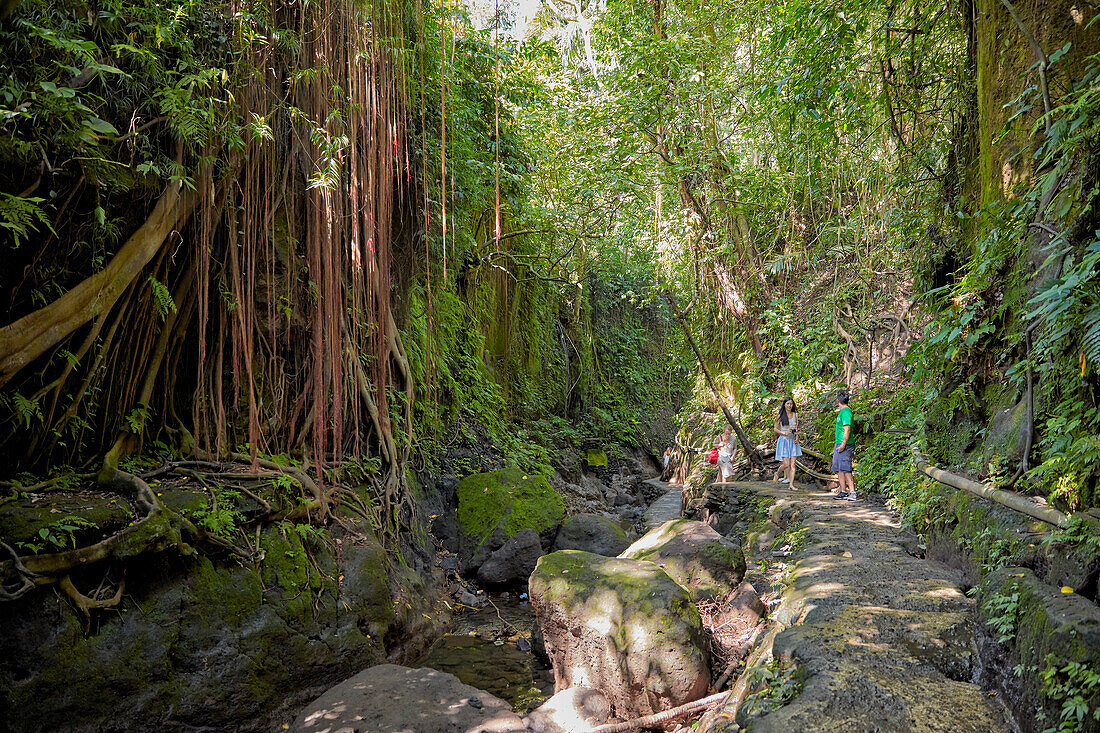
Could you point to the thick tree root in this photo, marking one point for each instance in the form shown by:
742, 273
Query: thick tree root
86, 604
26, 577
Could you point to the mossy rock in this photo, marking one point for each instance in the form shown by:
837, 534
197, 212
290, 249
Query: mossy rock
1004, 435
597, 458
622, 625
1049, 630
494, 506
695, 555
591, 533
22, 520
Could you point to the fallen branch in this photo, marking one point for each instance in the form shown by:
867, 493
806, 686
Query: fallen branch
750, 449
663, 716
1004, 498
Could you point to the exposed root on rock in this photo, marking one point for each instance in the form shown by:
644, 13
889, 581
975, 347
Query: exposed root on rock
86, 604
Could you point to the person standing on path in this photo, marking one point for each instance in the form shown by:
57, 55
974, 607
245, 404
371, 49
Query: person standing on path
787, 449
666, 471
726, 450
843, 451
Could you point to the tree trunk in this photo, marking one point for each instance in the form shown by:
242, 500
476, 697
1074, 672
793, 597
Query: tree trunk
34, 334
750, 449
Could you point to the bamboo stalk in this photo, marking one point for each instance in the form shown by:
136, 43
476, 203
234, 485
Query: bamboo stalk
1004, 498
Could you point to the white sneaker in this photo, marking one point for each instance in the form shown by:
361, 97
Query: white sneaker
784, 481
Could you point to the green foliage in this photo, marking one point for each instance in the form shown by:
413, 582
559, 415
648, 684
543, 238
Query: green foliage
923, 504
221, 517
137, 418
58, 535
162, 298
782, 681
1078, 532
1077, 687
1002, 612
22, 216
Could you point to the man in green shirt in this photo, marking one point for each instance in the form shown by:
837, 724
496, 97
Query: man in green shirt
842, 450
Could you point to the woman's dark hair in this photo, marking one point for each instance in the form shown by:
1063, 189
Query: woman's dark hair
783, 412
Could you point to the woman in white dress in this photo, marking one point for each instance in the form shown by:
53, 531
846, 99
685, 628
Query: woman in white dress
786, 445
726, 450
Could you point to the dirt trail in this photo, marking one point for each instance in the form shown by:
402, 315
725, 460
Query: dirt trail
880, 639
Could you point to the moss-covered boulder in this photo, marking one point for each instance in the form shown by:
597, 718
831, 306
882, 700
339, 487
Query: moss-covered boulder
205, 642
695, 555
494, 506
591, 533
621, 626
1052, 641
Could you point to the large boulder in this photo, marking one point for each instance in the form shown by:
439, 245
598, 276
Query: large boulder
514, 561
621, 626
591, 533
494, 506
695, 555
393, 699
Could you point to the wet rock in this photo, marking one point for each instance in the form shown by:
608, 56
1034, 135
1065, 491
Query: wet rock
513, 562
622, 500
393, 699
695, 555
622, 626
578, 708
466, 598
591, 533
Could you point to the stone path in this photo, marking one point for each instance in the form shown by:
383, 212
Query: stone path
665, 508
880, 638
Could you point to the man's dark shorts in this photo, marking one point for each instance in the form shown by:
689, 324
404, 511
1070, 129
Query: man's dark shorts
842, 460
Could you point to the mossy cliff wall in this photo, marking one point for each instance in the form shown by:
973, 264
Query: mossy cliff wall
1006, 65
206, 644
503, 352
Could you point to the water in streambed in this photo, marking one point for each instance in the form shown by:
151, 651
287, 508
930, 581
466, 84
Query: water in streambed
491, 650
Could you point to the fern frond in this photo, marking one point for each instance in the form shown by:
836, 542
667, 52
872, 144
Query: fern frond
21, 216
162, 299
1090, 343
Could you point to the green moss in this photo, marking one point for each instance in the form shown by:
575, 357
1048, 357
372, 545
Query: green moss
730, 555
597, 458
508, 498
230, 595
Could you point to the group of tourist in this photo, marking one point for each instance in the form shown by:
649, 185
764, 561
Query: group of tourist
788, 447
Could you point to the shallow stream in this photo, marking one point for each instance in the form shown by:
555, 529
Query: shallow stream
491, 649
